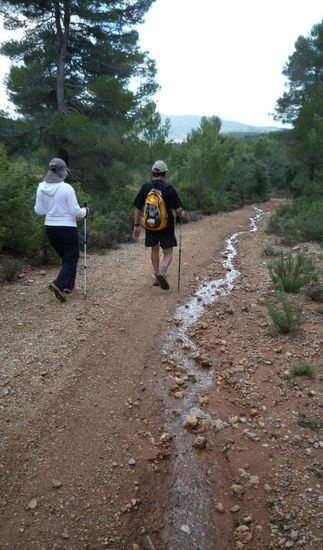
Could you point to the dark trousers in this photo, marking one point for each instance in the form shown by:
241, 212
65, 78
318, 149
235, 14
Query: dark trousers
65, 241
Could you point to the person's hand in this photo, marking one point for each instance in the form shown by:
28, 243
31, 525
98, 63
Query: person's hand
179, 216
87, 210
136, 232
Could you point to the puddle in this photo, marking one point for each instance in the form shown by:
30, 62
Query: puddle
188, 522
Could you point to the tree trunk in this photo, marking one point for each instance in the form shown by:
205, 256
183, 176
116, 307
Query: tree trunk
62, 19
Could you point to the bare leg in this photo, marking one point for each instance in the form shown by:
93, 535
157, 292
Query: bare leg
168, 256
155, 257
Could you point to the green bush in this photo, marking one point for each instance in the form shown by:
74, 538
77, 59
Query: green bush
21, 230
108, 231
291, 272
303, 369
300, 221
17, 196
285, 313
229, 200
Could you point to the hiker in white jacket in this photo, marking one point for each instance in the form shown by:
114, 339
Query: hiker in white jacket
56, 200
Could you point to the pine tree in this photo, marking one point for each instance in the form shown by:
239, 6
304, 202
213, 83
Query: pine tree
302, 103
76, 56
304, 71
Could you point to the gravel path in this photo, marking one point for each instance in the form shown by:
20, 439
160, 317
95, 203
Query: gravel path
86, 458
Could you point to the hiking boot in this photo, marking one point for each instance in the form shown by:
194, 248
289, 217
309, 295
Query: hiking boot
67, 290
163, 281
156, 282
58, 293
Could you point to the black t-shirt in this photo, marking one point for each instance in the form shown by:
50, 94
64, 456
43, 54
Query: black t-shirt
170, 197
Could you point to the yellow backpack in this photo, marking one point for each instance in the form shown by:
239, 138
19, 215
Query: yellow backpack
154, 215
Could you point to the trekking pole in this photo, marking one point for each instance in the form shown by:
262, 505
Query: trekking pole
84, 258
179, 254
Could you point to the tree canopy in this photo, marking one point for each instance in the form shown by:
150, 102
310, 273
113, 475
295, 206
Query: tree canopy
304, 71
302, 103
72, 82
76, 56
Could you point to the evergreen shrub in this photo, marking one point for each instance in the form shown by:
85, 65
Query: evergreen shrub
300, 221
108, 231
291, 272
285, 312
303, 369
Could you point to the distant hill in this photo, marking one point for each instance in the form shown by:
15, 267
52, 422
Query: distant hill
181, 125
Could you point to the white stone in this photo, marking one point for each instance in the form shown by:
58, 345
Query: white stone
32, 504
220, 508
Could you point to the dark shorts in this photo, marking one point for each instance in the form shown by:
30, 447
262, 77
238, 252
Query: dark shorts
165, 240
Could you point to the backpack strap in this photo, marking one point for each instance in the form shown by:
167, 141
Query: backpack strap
163, 189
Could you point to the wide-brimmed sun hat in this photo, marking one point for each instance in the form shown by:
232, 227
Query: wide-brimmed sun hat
159, 167
57, 171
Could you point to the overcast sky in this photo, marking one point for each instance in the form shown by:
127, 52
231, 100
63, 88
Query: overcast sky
224, 57
221, 57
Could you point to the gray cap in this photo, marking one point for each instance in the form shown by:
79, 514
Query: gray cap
159, 167
57, 171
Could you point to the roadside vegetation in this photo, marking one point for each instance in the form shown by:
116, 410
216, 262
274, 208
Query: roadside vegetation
290, 274
303, 369
285, 312
300, 221
292, 271
79, 107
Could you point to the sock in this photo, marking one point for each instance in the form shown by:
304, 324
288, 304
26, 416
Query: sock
163, 269
156, 273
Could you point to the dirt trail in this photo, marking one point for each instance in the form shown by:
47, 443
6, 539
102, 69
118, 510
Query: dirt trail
85, 459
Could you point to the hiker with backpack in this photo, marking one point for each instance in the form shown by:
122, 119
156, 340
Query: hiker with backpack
56, 200
157, 199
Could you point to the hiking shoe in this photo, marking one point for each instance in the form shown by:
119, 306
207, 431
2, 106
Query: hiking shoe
67, 290
156, 282
163, 281
58, 293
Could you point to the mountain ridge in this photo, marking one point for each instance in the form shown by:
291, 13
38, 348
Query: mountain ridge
181, 125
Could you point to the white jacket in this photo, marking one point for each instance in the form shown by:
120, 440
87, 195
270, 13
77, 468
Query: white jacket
58, 202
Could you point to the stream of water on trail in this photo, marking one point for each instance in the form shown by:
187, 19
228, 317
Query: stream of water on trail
188, 522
